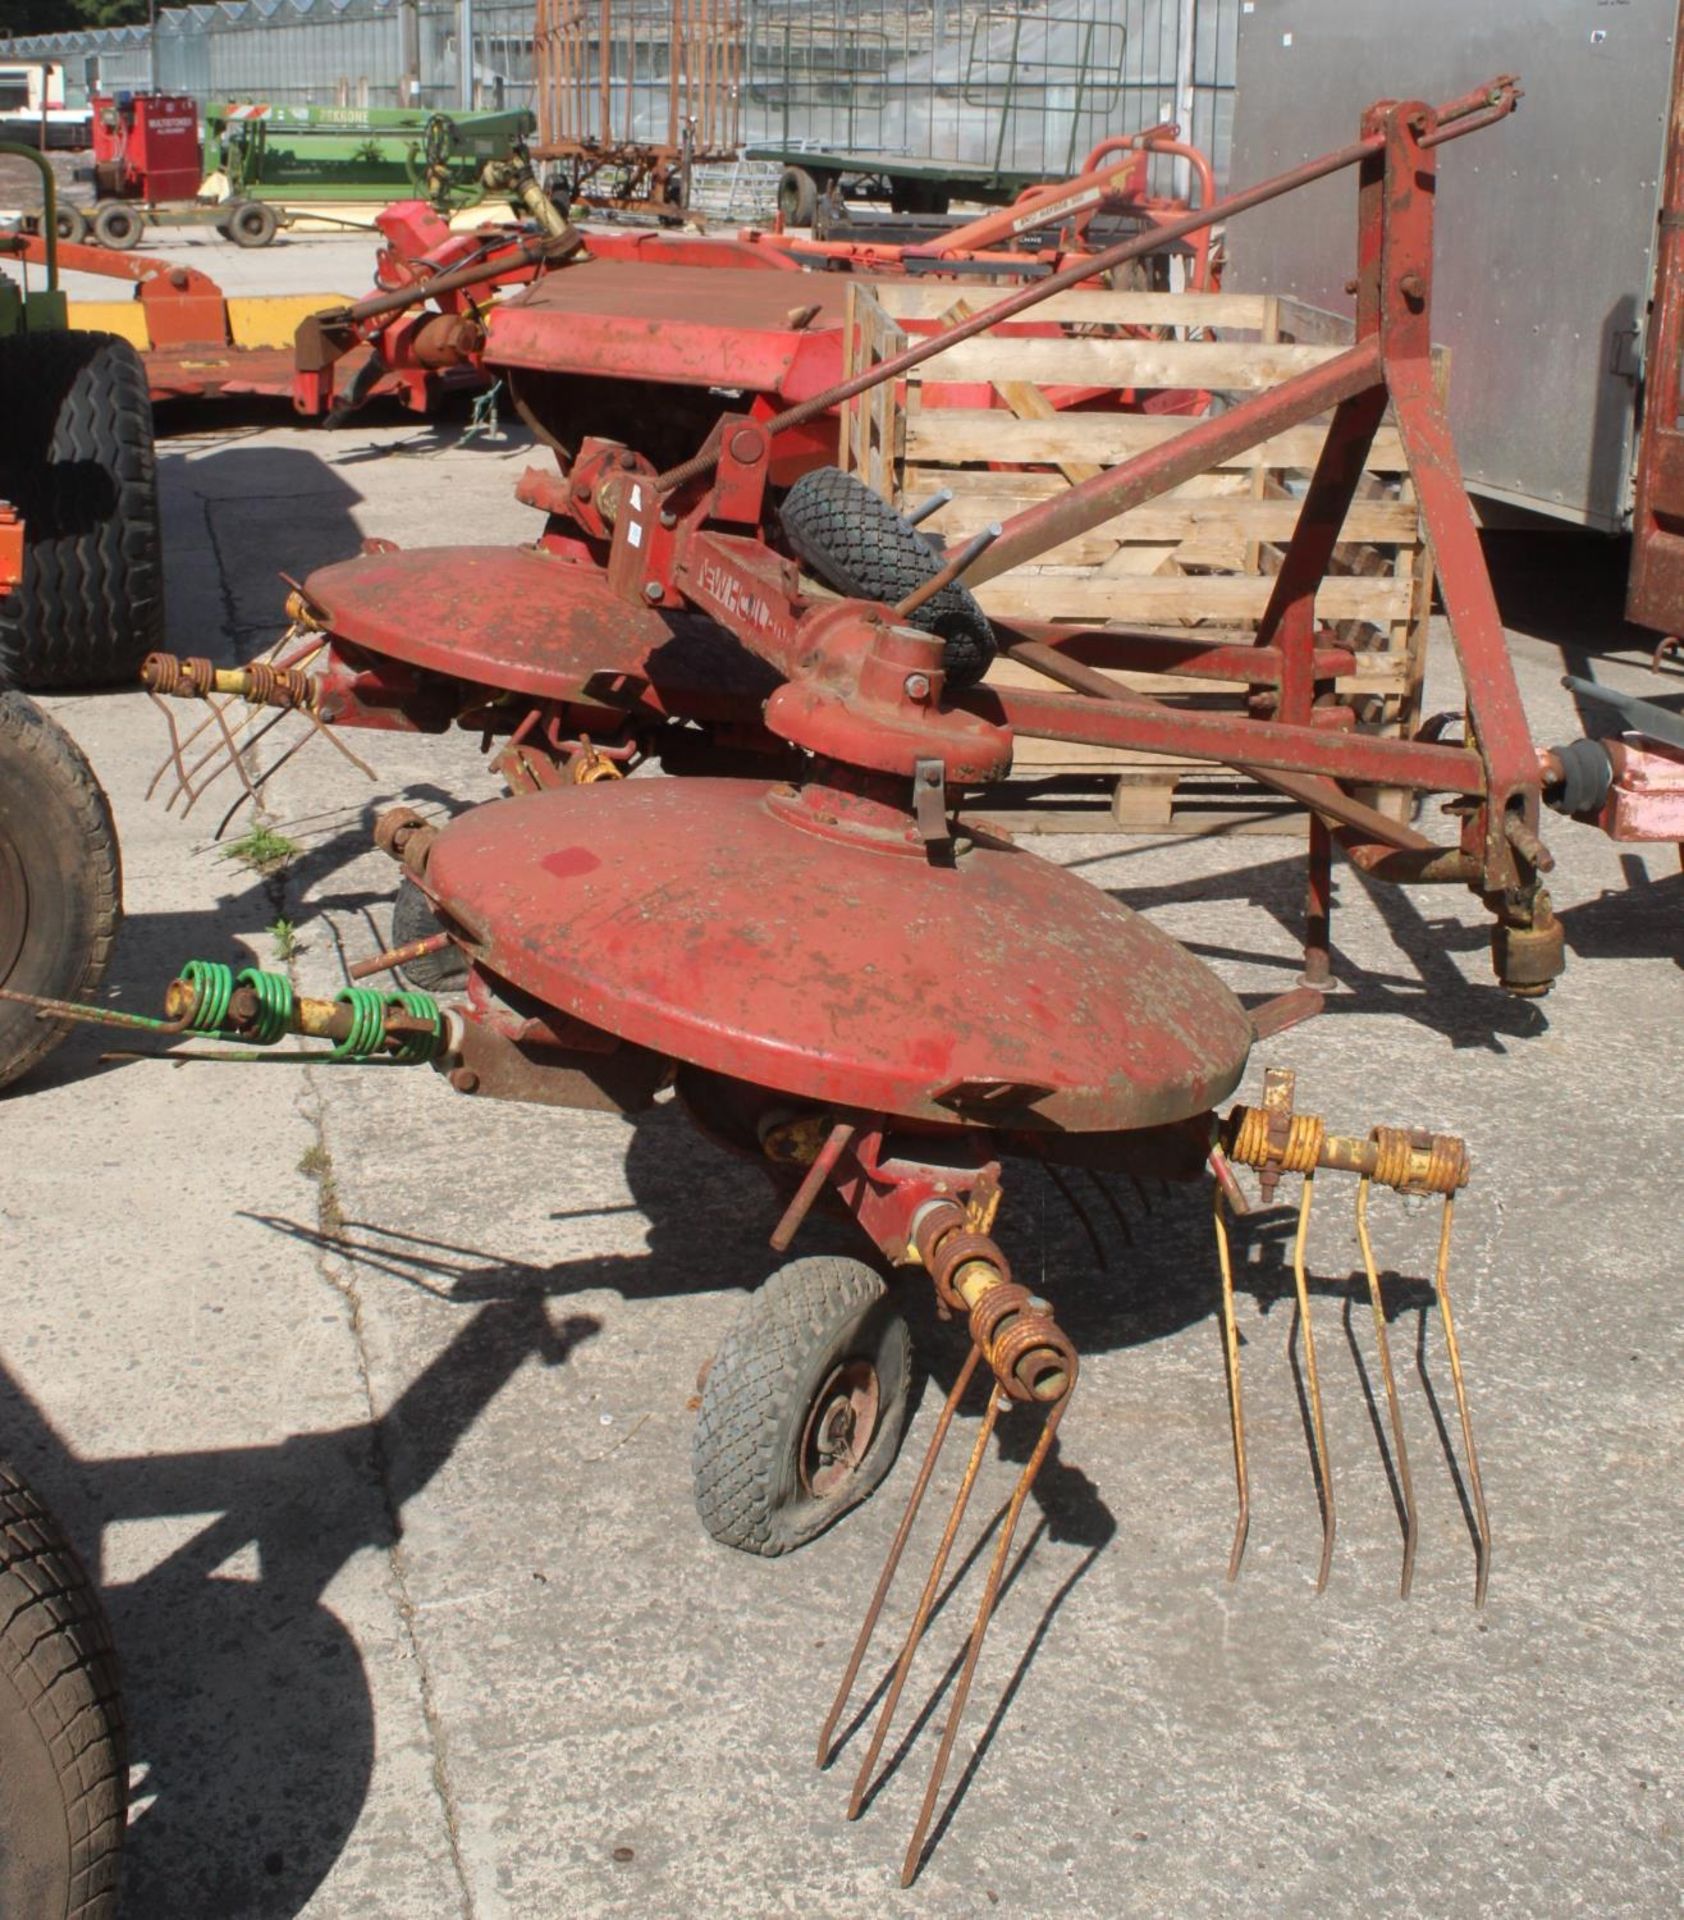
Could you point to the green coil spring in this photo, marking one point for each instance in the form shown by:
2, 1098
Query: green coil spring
367, 1039
274, 1005
213, 988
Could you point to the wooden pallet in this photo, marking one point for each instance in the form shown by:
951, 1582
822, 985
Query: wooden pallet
986, 419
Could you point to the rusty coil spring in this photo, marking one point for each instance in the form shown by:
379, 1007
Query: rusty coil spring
270, 686
1253, 1145
951, 1252
264, 683
1398, 1155
1030, 1353
169, 674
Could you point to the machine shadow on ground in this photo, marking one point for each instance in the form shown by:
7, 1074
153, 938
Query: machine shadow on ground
250, 1715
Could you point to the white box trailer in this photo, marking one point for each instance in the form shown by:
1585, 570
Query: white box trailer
1563, 389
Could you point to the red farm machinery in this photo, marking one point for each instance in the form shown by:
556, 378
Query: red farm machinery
838, 970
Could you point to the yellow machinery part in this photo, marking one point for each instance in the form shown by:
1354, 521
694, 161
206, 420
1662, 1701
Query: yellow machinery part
271, 319
253, 320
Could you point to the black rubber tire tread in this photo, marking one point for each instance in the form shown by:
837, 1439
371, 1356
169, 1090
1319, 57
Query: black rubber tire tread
798, 197
55, 816
63, 1748
117, 226
72, 224
78, 464
859, 545
798, 1325
413, 919
253, 223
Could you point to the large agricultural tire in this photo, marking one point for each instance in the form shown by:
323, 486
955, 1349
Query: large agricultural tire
413, 919
63, 1753
77, 462
60, 880
252, 224
818, 1342
858, 545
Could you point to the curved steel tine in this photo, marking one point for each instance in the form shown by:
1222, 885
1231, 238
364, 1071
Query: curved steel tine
1236, 1409
985, 1612
1312, 1377
890, 1566
1406, 1484
925, 1603
1441, 1286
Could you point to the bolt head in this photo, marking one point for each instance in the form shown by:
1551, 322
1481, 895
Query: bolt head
652, 590
917, 686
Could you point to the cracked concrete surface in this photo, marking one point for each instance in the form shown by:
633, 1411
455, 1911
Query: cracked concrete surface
393, 1510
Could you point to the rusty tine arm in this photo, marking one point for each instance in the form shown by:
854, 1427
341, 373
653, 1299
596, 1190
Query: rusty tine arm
1406, 1485
1312, 1377
892, 1564
985, 1612
1236, 1409
926, 1600
399, 956
956, 565
1441, 1286
824, 1165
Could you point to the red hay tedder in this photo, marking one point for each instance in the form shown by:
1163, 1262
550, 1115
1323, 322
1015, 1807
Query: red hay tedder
841, 975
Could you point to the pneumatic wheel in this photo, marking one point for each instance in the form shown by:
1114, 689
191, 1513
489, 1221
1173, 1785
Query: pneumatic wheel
77, 462
118, 226
71, 224
798, 197
252, 224
858, 545
63, 1755
413, 919
60, 886
803, 1407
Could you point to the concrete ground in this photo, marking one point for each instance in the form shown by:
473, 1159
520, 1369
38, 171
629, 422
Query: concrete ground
372, 1405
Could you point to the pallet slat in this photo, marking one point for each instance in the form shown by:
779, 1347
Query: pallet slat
1202, 556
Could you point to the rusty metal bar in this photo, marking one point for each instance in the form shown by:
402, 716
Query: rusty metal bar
1498, 99
1232, 742
1317, 794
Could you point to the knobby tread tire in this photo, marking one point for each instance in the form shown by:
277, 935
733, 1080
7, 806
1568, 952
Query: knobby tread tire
413, 919
794, 1328
77, 462
56, 821
63, 1747
859, 545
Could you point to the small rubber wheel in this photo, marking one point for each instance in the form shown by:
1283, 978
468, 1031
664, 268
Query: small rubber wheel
413, 919
63, 1752
77, 461
61, 884
798, 197
252, 224
857, 544
118, 226
803, 1408
72, 224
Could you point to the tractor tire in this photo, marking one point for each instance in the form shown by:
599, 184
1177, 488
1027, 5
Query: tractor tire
413, 919
61, 882
798, 197
818, 1342
857, 544
72, 224
252, 224
78, 465
118, 226
63, 1752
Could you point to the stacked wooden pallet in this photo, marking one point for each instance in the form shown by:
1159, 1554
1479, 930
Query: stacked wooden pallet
1016, 416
